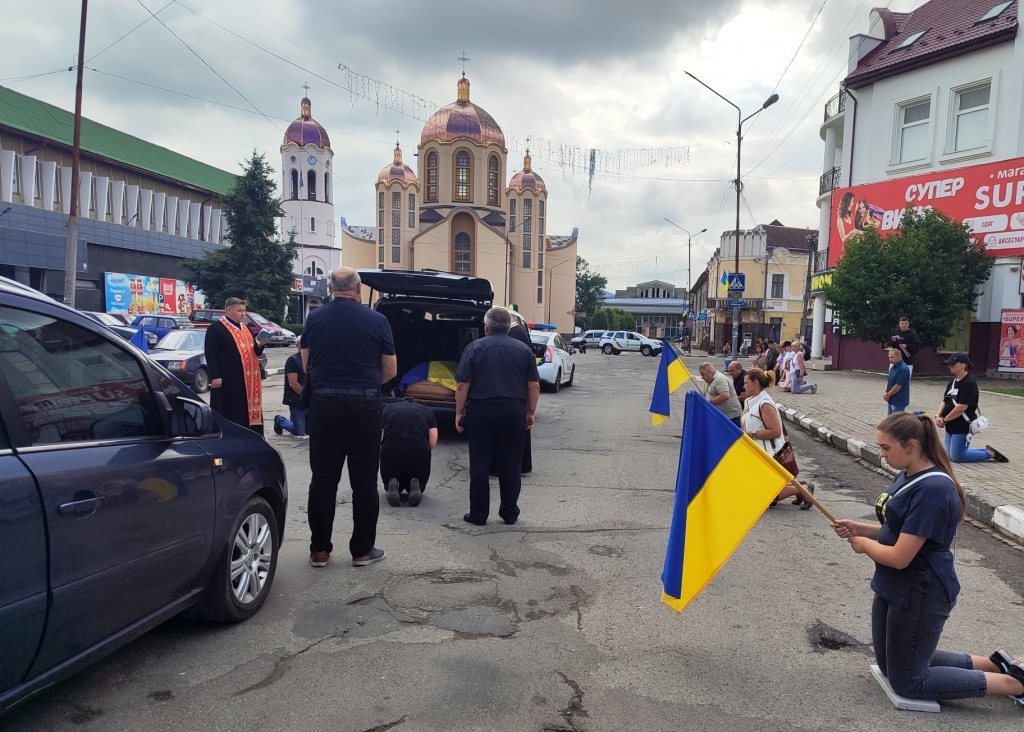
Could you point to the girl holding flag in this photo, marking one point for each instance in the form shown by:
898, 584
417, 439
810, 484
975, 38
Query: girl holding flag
915, 583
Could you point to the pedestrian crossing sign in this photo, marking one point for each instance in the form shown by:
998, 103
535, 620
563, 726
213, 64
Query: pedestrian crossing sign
737, 282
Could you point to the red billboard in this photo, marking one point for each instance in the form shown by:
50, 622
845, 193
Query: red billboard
989, 198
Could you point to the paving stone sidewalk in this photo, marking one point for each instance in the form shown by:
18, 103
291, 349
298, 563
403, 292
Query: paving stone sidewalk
849, 405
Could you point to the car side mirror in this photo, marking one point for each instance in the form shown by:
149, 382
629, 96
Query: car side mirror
572, 351
191, 418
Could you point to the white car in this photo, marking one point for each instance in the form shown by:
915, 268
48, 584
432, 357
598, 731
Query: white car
592, 337
617, 341
555, 364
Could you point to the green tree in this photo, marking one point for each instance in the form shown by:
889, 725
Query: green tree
612, 319
588, 289
258, 264
929, 270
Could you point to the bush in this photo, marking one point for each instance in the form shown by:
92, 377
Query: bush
295, 328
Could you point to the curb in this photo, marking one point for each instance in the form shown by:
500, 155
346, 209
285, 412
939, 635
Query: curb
1006, 519
275, 371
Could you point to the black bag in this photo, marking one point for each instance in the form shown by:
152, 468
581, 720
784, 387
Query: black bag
773, 358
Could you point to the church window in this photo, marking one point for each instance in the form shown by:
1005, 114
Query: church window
540, 258
380, 236
512, 214
380, 217
527, 242
396, 218
540, 295
412, 202
526, 260
380, 200
492, 181
412, 211
396, 199
293, 158
540, 278
380, 257
462, 176
431, 177
295, 185
327, 187
311, 185
396, 246
540, 211
463, 253
312, 225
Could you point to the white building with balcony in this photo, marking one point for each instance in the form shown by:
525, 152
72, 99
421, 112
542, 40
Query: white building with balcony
933, 102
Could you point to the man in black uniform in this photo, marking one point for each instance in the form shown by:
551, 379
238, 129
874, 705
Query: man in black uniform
348, 352
905, 339
497, 394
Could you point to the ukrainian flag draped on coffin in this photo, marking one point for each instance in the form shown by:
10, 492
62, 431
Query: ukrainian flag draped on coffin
671, 375
725, 482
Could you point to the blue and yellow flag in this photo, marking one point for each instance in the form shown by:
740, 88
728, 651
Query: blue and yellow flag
725, 278
725, 482
671, 375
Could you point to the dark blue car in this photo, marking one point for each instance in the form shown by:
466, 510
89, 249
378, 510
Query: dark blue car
124, 499
161, 325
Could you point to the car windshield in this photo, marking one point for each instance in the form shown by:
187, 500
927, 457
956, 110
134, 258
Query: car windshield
539, 338
259, 318
106, 318
182, 340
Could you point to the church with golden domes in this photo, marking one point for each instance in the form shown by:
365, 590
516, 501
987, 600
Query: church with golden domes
455, 213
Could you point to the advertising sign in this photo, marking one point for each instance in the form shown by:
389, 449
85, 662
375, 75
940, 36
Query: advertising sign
989, 198
1011, 341
129, 294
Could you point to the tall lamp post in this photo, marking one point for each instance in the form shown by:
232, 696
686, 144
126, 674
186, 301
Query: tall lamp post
739, 187
689, 265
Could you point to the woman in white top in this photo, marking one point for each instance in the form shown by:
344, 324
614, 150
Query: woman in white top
762, 421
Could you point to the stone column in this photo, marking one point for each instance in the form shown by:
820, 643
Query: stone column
818, 326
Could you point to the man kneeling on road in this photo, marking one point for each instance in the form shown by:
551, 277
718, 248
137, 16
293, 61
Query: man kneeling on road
721, 392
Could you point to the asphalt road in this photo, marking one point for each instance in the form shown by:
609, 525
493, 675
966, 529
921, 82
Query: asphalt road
555, 623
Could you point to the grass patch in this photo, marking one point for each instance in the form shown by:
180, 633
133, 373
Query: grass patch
1011, 390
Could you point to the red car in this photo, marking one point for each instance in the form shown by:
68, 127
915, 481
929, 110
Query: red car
253, 321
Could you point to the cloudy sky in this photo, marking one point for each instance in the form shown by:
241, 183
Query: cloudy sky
214, 79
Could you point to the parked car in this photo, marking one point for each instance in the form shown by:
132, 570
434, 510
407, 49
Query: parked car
161, 325
556, 367
592, 337
117, 325
433, 316
617, 341
253, 321
183, 353
124, 499
287, 336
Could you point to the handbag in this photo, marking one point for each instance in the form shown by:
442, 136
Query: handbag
980, 424
784, 456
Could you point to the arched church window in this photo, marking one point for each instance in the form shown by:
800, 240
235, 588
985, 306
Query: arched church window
431, 177
492, 181
462, 176
295, 185
463, 253
311, 185
327, 187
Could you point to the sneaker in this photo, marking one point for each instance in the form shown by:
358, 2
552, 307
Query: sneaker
375, 555
302, 437
807, 505
814, 388
278, 429
415, 494
394, 499
319, 559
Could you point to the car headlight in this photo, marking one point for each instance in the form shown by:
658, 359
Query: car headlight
287, 333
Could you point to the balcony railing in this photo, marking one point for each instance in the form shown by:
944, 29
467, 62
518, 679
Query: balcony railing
829, 180
721, 303
836, 105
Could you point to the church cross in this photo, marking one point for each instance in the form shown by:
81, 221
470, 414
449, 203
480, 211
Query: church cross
306, 87
463, 58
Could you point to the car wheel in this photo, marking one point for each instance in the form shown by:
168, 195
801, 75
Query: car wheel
242, 582
263, 372
645, 350
558, 382
572, 376
607, 350
201, 382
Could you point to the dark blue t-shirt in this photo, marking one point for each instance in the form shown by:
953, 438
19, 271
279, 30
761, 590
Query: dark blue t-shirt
346, 340
497, 367
293, 366
899, 374
929, 507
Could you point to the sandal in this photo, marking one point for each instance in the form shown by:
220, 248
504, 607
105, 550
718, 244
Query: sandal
1016, 670
807, 505
996, 455
1002, 660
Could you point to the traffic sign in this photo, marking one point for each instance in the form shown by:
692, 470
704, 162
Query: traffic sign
737, 303
702, 316
737, 282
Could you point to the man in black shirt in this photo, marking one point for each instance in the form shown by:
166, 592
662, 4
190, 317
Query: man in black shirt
410, 433
738, 373
497, 394
294, 378
348, 352
907, 341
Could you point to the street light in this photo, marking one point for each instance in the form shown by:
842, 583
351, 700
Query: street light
689, 275
739, 187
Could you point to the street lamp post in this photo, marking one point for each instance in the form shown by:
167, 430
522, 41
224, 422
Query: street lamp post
739, 187
689, 271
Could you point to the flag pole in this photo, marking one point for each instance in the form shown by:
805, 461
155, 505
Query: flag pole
809, 498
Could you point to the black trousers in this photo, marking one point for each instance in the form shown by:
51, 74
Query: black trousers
405, 460
343, 427
495, 430
527, 462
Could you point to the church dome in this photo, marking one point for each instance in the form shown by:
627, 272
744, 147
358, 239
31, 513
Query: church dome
397, 171
526, 178
306, 130
463, 119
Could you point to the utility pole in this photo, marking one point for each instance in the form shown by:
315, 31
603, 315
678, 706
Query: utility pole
71, 251
812, 241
